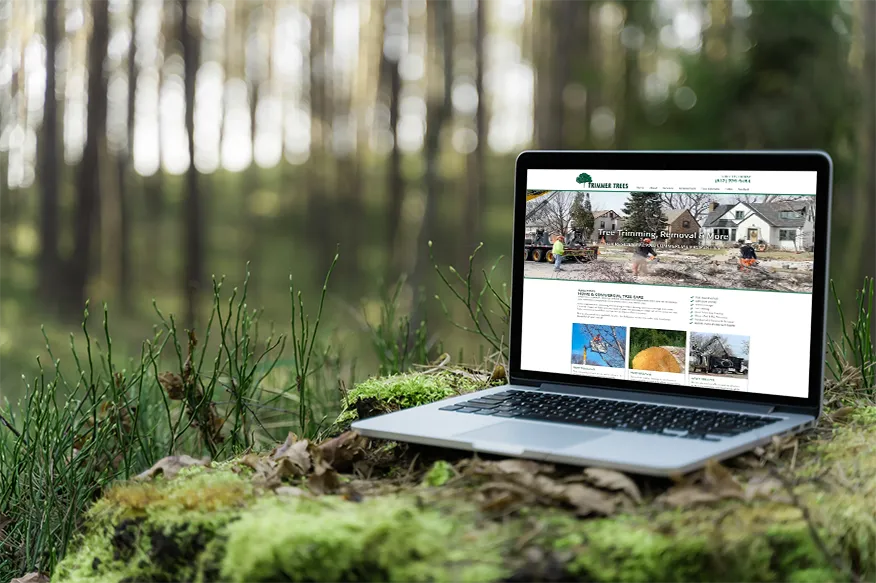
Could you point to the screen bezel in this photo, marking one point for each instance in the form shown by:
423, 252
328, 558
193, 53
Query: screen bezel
816, 161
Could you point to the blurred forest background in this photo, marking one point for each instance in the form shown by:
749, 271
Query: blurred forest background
146, 145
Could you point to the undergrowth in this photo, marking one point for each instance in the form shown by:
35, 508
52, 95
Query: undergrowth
227, 389
217, 392
852, 358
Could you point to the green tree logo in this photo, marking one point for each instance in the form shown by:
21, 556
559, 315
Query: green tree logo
584, 178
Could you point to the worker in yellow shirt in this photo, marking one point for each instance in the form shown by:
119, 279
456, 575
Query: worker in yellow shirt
558, 250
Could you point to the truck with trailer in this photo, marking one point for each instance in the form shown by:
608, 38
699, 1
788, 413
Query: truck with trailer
538, 246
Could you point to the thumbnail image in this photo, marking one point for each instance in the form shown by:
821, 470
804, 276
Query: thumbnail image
599, 345
657, 350
747, 241
715, 354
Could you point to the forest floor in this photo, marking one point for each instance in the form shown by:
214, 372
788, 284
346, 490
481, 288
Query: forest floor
349, 508
684, 268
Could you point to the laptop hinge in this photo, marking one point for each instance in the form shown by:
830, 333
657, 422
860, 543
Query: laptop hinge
681, 401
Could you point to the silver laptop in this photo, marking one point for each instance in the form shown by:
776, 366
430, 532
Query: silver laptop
668, 308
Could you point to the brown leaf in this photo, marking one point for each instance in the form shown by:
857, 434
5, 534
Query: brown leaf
324, 479
767, 488
498, 374
587, 500
841, 413
173, 384
35, 577
171, 465
294, 456
518, 466
713, 483
684, 496
721, 481
612, 480
345, 449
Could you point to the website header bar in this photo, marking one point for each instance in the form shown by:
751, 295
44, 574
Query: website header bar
717, 181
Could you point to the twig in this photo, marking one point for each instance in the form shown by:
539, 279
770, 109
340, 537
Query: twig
10, 427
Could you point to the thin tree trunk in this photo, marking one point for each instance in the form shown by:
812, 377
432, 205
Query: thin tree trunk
123, 164
863, 236
630, 99
475, 172
557, 22
193, 223
438, 111
316, 171
395, 185
88, 180
49, 261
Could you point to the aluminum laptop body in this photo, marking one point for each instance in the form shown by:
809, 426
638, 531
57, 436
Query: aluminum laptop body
652, 312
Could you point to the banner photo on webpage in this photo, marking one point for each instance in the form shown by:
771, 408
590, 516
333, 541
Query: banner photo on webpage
688, 278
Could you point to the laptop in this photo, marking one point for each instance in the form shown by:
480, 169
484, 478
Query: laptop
668, 308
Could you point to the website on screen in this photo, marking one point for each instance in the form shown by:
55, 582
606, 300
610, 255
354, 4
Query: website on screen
693, 278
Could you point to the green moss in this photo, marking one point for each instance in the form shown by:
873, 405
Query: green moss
439, 474
211, 524
864, 416
158, 531
382, 395
385, 539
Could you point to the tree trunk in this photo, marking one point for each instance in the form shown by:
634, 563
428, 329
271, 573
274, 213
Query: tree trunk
320, 119
123, 164
629, 103
88, 180
49, 261
558, 19
193, 223
438, 110
863, 236
475, 172
395, 183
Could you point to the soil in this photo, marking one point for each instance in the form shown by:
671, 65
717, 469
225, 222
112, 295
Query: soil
675, 267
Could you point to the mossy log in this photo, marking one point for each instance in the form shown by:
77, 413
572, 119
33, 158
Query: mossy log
418, 514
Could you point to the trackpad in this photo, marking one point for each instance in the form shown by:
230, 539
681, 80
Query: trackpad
532, 435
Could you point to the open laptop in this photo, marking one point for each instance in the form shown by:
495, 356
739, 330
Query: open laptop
685, 320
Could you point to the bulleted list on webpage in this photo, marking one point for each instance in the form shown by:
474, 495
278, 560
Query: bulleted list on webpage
718, 339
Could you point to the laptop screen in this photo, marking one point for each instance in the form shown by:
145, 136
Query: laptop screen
693, 278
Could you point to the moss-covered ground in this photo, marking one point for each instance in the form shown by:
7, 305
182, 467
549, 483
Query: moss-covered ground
798, 510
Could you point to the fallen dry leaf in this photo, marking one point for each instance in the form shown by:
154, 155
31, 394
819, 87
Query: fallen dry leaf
587, 500
767, 488
345, 449
841, 413
713, 483
612, 480
721, 481
515, 481
294, 456
684, 496
171, 465
518, 466
266, 474
324, 482
34, 577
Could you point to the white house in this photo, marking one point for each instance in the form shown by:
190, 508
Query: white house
607, 220
784, 224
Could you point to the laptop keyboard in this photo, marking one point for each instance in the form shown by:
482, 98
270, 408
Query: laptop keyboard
665, 420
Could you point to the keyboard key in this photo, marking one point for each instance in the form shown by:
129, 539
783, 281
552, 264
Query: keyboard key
476, 405
451, 408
